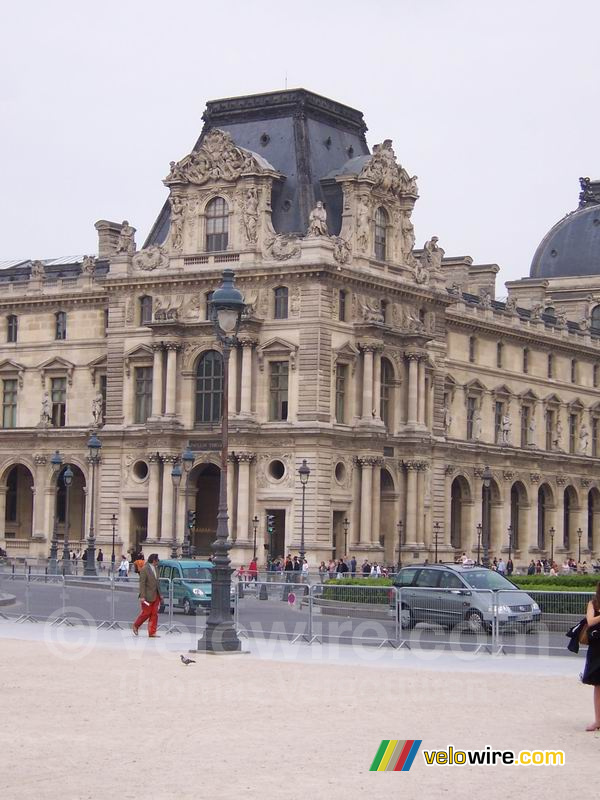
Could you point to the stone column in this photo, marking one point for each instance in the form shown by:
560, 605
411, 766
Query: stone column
413, 367
231, 492
38, 529
422, 534
243, 496
377, 384
3, 516
366, 496
421, 392
154, 461
559, 520
528, 530
410, 527
376, 501
246, 387
157, 381
171, 389
233, 373
367, 393
166, 517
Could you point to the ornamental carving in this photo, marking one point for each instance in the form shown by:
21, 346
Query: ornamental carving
264, 479
508, 474
450, 469
560, 480
370, 309
585, 482
534, 477
282, 247
387, 175
166, 309
295, 302
217, 159
419, 466
154, 257
342, 251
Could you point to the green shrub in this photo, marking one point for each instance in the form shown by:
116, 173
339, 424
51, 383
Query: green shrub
574, 582
340, 590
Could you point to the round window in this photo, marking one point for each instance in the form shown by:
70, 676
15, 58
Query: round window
140, 470
340, 472
277, 469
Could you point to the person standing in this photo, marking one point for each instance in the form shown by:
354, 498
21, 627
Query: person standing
353, 566
501, 567
149, 597
124, 568
253, 571
100, 559
591, 672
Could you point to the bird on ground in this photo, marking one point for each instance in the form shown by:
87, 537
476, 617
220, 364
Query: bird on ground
187, 661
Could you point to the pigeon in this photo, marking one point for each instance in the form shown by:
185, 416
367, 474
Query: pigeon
187, 661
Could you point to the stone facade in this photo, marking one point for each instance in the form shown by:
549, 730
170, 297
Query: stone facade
393, 371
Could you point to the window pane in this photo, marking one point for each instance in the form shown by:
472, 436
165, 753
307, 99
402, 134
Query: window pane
61, 325
217, 225
9, 404
281, 303
143, 393
12, 328
58, 397
340, 392
209, 387
380, 234
278, 390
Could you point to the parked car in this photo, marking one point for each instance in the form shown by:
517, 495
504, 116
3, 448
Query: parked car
449, 594
192, 587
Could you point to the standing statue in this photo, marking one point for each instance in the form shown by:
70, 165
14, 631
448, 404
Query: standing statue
46, 415
97, 409
88, 265
126, 241
407, 236
250, 214
505, 427
583, 439
447, 416
531, 431
433, 254
317, 221
176, 227
557, 435
362, 223
477, 425
37, 270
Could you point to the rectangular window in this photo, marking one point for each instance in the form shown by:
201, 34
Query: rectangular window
526, 361
549, 428
12, 325
471, 349
573, 371
550, 365
59, 402
341, 377
106, 321
525, 418
499, 354
342, 306
9, 404
572, 432
143, 394
470, 416
278, 390
281, 303
61, 325
595, 431
498, 414
595, 376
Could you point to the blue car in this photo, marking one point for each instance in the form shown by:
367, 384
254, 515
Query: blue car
192, 587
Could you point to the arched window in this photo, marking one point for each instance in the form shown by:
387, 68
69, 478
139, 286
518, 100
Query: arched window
387, 381
209, 387
145, 309
550, 311
217, 225
60, 331
381, 222
281, 302
595, 321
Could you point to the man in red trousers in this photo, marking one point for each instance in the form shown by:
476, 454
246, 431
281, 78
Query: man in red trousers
149, 597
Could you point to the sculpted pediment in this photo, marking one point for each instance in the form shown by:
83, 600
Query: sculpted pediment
218, 158
278, 348
56, 365
347, 353
10, 369
140, 354
98, 364
387, 175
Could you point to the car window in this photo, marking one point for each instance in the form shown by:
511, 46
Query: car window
486, 579
405, 577
427, 577
196, 573
451, 581
165, 572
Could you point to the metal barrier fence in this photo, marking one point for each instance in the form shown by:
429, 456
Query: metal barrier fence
417, 618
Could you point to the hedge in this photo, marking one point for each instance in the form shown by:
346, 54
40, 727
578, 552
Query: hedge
338, 589
576, 583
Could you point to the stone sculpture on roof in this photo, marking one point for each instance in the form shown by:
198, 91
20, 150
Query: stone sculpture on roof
317, 221
217, 159
126, 241
387, 175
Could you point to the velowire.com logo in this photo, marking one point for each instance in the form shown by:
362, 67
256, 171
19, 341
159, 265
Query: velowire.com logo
395, 755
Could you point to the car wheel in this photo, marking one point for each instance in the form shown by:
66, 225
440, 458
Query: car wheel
406, 617
475, 622
188, 608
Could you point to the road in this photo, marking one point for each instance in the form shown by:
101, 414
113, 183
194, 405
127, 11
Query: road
272, 617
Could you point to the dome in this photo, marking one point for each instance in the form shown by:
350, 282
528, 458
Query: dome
572, 247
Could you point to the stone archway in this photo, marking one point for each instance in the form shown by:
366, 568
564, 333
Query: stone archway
460, 496
545, 511
570, 508
203, 498
387, 527
518, 515
77, 506
18, 511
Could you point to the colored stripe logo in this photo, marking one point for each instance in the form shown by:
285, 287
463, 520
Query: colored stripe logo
395, 755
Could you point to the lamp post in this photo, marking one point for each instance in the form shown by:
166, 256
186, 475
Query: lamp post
436, 533
479, 529
346, 525
509, 540
113, 520
255, 521
67, 477
56, 463
226, 308
94, 444
579, 535
400, 527
187, 459
486, 498
551, 532
304, 473
176, 474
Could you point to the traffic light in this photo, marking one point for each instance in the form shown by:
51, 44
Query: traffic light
191, 520
270, 524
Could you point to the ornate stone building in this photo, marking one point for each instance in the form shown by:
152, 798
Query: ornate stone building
393, 371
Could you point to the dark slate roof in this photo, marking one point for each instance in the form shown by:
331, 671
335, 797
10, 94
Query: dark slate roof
303, 135
572, 247
17, 271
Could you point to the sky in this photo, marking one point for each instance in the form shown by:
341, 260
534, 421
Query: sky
494, 105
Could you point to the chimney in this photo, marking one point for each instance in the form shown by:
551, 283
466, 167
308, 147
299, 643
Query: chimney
108, 236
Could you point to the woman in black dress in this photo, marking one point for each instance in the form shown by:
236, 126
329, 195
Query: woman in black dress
591, 672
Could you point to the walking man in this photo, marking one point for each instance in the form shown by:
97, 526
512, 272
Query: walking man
149, 596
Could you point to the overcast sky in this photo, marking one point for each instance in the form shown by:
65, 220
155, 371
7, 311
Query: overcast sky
494, 105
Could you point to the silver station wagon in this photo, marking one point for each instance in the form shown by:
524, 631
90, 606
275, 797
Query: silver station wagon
450, 594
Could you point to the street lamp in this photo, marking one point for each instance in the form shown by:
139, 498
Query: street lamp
226, 308
94, 444
551, 532
255, 521
509, 540
67, 477
436, 533
304, 473
187, 459
113, 520
486, 497
400, 527
176, 474
56, 463
346, 525
479, 529
579, 534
